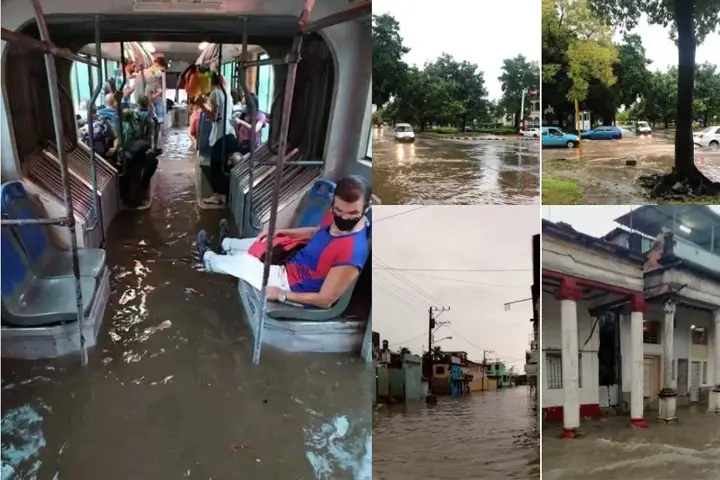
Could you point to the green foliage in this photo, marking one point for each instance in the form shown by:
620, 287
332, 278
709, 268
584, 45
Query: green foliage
388, 69
518, 75
446, 130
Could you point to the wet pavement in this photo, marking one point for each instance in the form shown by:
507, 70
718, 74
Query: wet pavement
487, 435
600, 167
170, 391
611, 449
433, 170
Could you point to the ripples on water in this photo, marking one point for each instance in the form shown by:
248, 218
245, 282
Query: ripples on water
437, 171
491, 435
689, 449
170, 391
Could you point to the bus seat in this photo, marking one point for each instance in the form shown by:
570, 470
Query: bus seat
314, 205
46, 260
30, 301
288, 311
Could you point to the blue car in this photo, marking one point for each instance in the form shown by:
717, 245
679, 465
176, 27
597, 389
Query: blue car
554, 137
602, 133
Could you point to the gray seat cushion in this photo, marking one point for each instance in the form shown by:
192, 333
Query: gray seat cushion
48, 301
59, 263
285, 311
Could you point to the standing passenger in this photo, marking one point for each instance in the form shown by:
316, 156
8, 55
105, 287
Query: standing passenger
223, 140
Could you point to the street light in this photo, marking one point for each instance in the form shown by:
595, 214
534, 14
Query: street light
444, 338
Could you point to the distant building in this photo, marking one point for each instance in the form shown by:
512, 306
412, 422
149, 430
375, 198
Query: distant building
533, 119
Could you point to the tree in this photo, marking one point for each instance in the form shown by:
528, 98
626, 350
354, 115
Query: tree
633, 77
405, 351
706, 104
518, 75
388, 68
692, 20
437, 353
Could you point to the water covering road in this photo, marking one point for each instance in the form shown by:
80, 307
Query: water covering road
433, 170
171, 391
610, 448
490, 435
601, 169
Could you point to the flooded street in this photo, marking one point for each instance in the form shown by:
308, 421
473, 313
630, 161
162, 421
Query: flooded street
601, 171
490, 435
433, 170
610, 448
170, 391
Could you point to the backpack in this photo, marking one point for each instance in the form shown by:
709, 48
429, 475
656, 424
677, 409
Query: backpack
283, 249
101, 139
135, 128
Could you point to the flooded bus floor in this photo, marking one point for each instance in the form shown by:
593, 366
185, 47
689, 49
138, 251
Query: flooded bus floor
170, 391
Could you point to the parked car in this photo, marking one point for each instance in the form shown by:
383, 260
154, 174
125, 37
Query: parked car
531, 133
602, 133
643, 128
710, 137
554, 137
404, 133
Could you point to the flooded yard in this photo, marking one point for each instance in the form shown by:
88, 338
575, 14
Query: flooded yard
170, 391
603, 176
433, 170
485, 435
610, 448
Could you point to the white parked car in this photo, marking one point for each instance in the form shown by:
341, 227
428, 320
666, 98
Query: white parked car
710, 137
404, 133
643, 128
531, 133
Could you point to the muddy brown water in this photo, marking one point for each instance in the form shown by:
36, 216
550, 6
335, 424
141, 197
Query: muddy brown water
487, 435
170, 391
611, 449
433, 170
604, 177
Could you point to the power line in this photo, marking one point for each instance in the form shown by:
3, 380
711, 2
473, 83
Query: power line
481, 348
404, 292
422, 292
408, 341
473, 282
394, 296
398, 214
453, 269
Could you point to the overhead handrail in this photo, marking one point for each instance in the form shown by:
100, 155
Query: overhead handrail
119, 103
50, 51
91, 134
43, 46
280, 162
360, 9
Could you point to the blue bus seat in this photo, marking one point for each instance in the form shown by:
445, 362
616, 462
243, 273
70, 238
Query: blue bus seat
31, 301
278, 310
45, 259
315, 204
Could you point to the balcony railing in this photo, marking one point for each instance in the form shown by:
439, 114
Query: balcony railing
695, 253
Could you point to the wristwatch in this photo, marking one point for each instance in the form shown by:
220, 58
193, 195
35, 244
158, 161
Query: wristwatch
282, 296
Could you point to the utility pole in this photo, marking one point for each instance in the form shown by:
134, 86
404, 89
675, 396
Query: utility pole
431, 326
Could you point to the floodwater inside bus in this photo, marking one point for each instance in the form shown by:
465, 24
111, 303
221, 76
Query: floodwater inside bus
170, 389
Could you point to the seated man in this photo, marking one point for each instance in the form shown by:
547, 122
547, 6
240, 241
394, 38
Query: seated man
320, 272
105, 139
138, 154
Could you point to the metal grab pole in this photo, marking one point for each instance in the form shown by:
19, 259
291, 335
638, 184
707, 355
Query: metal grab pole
122, 96
19, 222
284, 127
361, 9
51, 71
253, 107
93, 99
222, 115
43, 46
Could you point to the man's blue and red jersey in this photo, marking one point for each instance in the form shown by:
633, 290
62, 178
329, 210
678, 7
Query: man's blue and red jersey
307, 269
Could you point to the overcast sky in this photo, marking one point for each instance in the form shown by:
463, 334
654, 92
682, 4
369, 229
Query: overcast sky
482, 32
596, 220
455, 238
663, 51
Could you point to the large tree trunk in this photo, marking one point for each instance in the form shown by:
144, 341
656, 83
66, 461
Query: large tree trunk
684, 149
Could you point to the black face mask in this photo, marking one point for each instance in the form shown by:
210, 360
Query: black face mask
345, 224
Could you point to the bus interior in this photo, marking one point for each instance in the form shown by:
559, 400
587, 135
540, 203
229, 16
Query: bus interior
133, 301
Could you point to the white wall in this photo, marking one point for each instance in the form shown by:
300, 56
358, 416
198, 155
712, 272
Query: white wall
551, 339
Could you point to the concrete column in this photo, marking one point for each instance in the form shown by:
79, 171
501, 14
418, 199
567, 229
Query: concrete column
668, 393
569, 294
714, 403
637, 402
